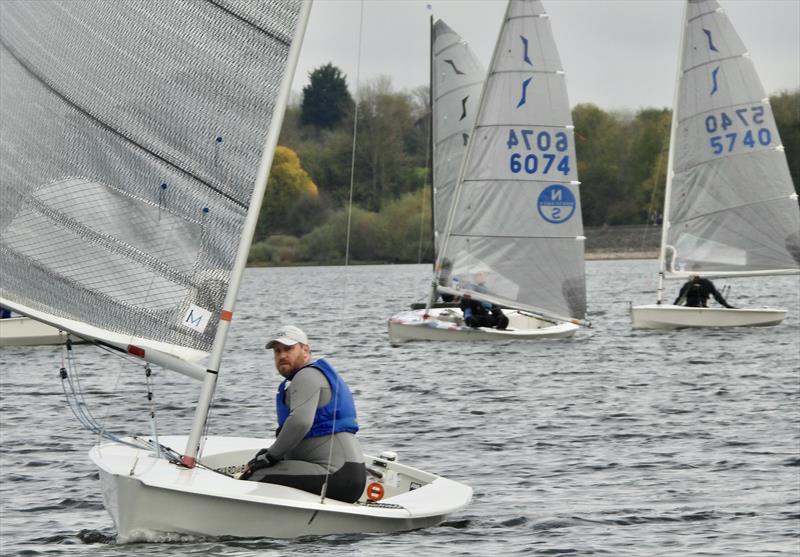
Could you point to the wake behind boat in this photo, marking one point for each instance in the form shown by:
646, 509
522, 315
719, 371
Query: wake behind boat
730, 207
140, 152
513, 240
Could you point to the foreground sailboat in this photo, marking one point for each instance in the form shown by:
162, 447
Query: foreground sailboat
514, 234
730, 207
133, 172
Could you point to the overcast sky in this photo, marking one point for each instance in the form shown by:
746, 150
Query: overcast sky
618, 54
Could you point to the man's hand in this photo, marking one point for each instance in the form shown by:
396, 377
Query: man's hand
262, 460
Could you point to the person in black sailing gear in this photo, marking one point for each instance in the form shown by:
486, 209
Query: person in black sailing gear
445, 280
482, 314
316, 426
696, 291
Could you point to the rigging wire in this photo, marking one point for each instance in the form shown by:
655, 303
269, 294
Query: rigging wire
151, 403
651, 210
335, 389
428, 156
76, 401
427, 182
355, 132
73, 393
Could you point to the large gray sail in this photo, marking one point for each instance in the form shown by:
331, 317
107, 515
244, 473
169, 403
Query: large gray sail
131, 136
515, 233
456, 89
732, 208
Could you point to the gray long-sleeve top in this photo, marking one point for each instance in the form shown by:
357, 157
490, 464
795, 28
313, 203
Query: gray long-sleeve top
309, 390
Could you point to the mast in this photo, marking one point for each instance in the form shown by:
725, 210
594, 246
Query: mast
430, 143
462, 169
226, 313
670, 160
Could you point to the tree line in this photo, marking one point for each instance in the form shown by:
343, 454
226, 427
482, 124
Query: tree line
622, 164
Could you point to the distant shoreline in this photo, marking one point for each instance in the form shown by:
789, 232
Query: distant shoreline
602, 243
599, 255
608, 255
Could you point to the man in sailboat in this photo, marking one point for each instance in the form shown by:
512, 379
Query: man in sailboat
316, 440
696, 291
478, 313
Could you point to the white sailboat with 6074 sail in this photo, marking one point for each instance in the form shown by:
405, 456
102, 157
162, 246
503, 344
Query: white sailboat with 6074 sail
513, 240
134, 165
730, 207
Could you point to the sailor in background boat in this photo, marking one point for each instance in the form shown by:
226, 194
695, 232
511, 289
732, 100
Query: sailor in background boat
695, 293
316, 426
5, 313
445, 280
482, 314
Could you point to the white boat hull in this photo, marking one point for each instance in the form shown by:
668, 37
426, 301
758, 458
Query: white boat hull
150, 497
666, 316
448, 324
24, 331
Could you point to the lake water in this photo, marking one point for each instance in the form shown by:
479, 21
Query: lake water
616, 442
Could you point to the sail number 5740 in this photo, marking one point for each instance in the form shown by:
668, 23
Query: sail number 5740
544, 152
746, 130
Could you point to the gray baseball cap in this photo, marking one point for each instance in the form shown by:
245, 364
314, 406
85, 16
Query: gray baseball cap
288, 335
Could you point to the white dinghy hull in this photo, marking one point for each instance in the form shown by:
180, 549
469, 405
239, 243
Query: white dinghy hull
149, 497
665, 316
448, 324
24, 331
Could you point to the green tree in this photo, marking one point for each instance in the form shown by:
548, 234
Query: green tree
327, 161
644, 168
786, 109
327, 243
406, 229
384, 169
275, 250
599, 150
288, 185
326, 99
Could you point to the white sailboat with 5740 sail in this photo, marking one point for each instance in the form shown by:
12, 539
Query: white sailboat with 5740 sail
730, 207
513, 237
135, 163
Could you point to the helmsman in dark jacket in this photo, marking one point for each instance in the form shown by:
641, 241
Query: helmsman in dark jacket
696, 291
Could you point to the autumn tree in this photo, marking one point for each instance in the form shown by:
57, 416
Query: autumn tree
326, 99
288, 186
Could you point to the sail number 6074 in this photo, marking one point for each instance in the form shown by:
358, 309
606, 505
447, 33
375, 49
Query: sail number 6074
541, 161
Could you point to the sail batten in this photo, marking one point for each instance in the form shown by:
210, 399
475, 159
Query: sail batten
716, 60
734, 207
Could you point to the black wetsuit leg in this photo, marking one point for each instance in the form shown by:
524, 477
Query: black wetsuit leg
346, 484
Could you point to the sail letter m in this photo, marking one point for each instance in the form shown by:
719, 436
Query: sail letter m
196, 318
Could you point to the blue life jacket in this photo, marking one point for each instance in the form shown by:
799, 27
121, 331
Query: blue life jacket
341, 398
